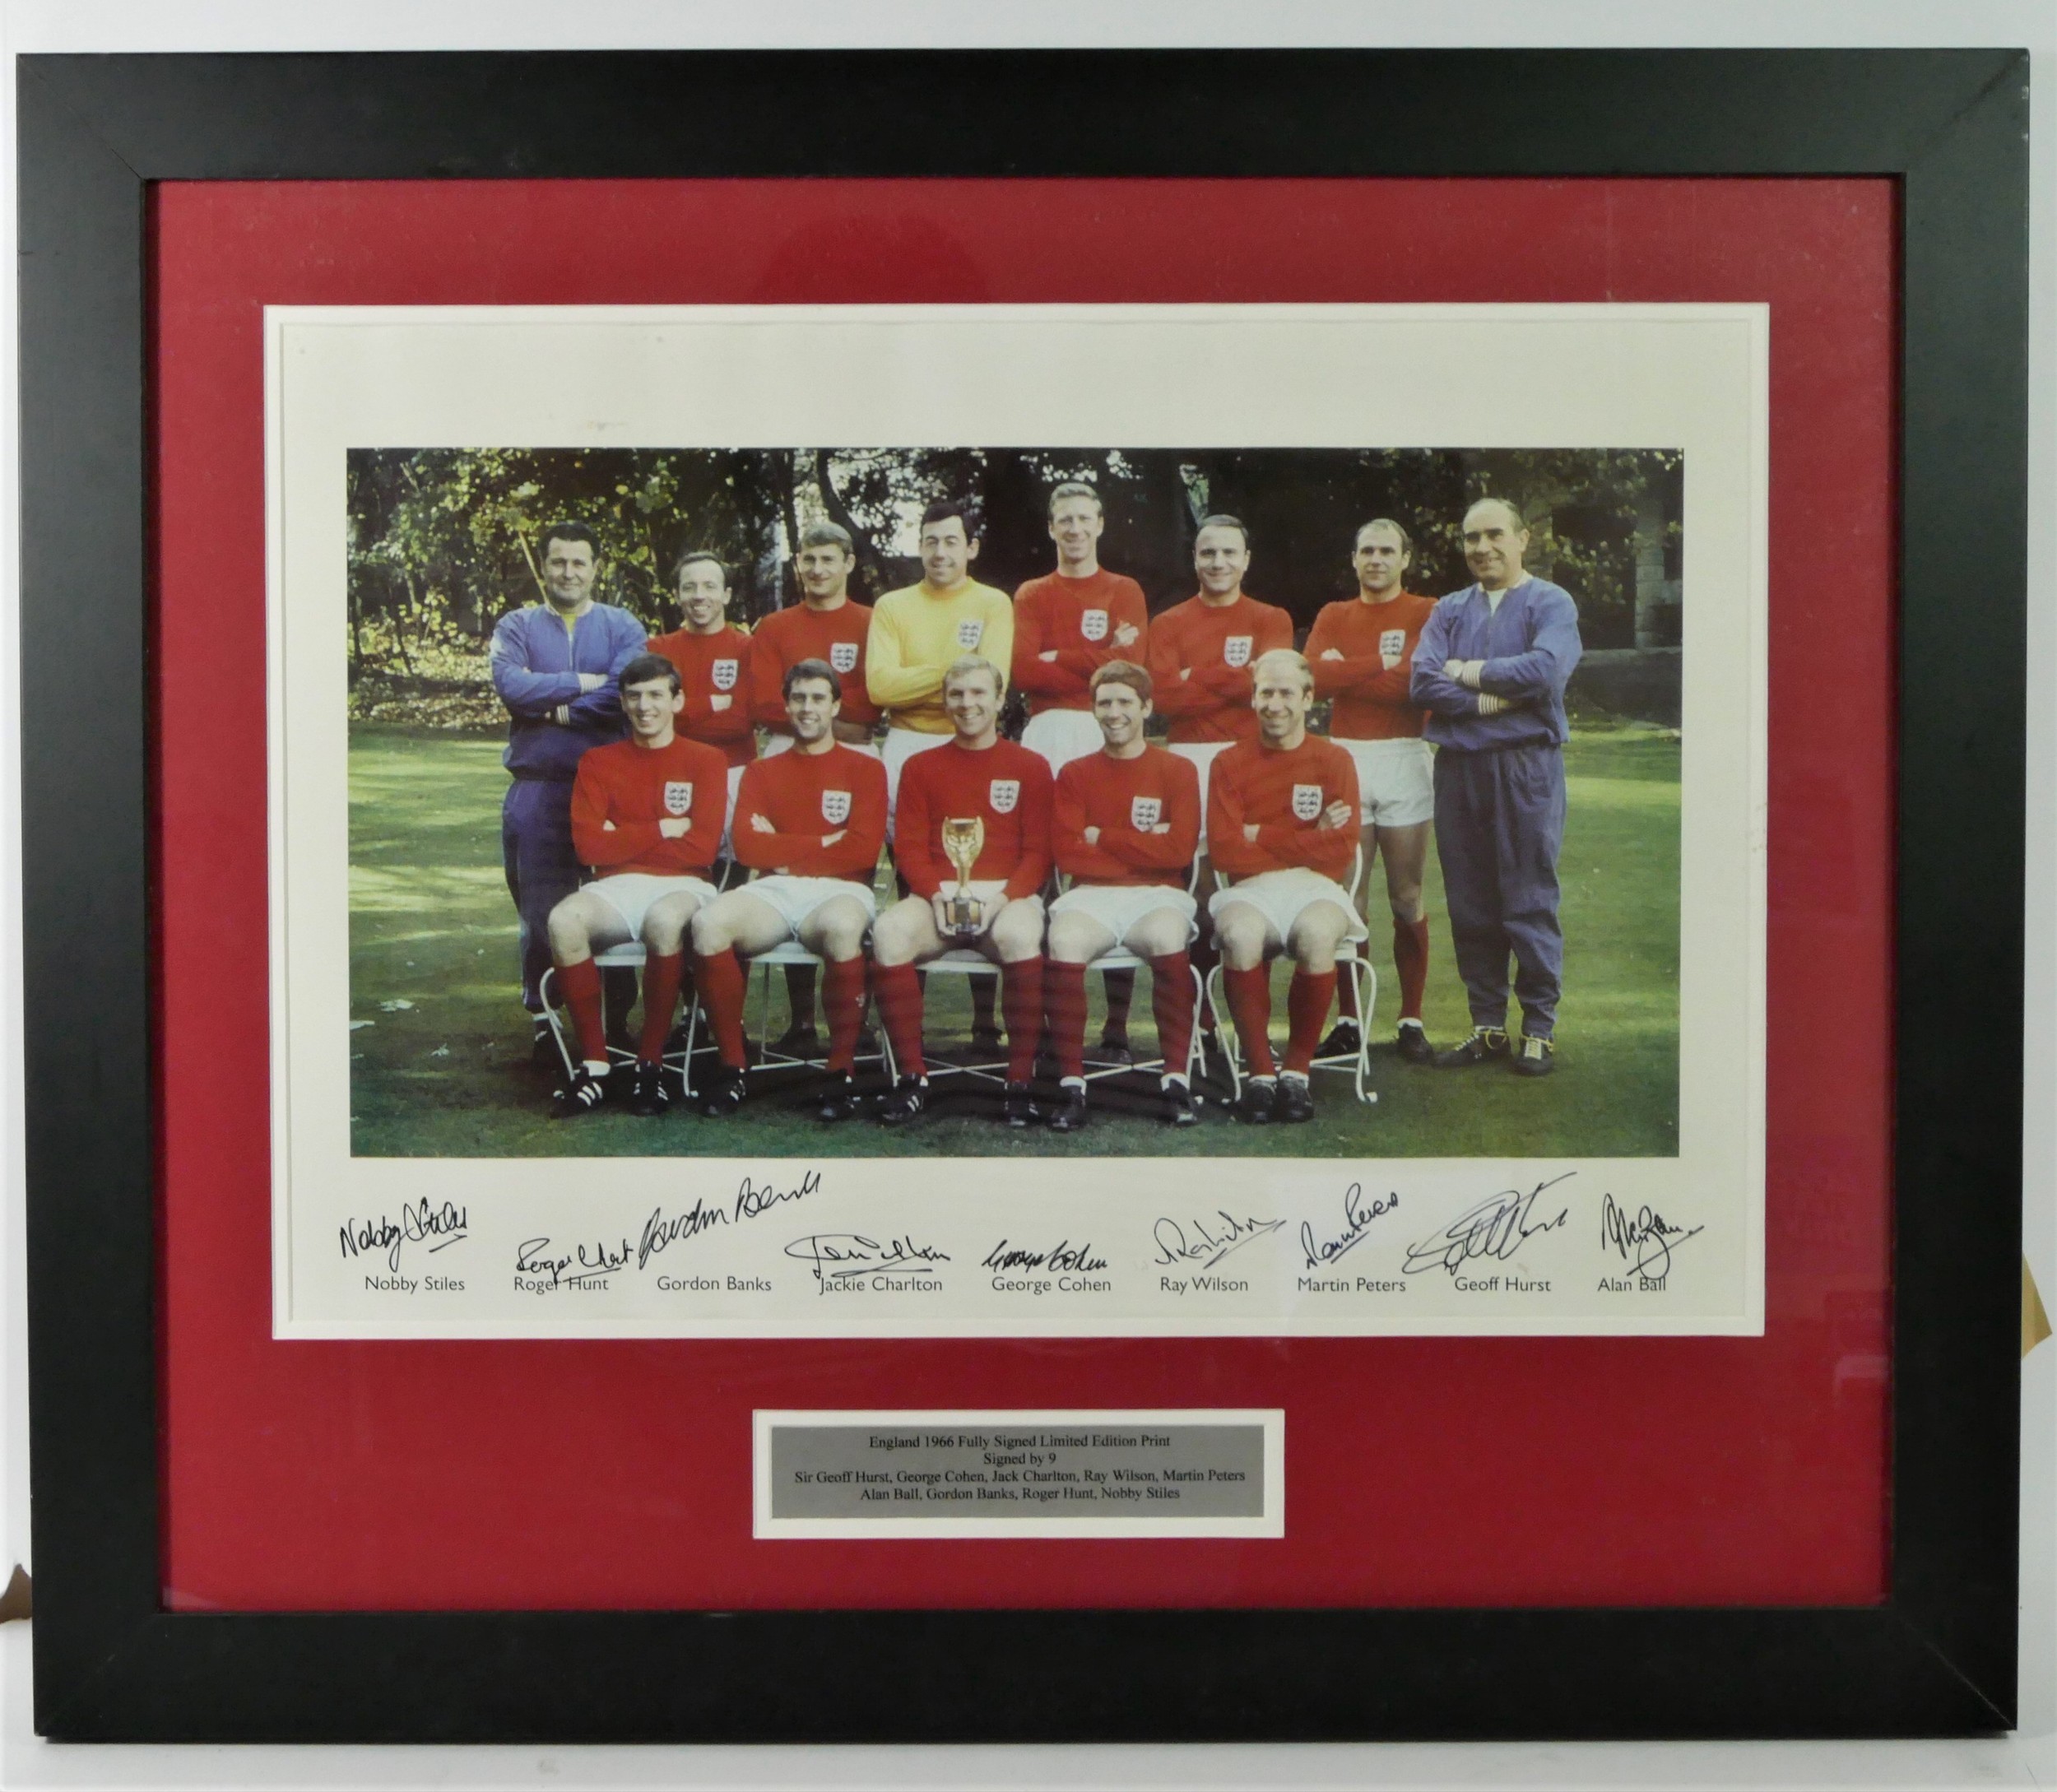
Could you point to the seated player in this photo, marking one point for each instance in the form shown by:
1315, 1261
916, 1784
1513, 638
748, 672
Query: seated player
647, 812
1125, 824
1006, 787
1282, 822
810, 822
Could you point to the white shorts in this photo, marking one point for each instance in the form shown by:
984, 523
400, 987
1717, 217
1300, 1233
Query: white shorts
1395, 781
1118, 906
1061, 735
630, 894
794, 899
776, 744
1281, 896
1202, 754
901, 745
989, 888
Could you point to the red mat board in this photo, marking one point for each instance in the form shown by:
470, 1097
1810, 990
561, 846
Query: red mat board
1419, 1471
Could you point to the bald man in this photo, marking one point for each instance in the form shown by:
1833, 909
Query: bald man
1490, 668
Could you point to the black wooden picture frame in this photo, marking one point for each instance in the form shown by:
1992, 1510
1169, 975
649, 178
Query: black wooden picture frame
1938, 1657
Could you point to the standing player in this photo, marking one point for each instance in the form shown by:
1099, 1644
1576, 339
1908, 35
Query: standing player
555, 665
830, 625
1125, 825
647, 812
917, 632
1491, 666
810, 822
1361, 650
1200, 653
974, 774
1282, 822
713, 656
1068, 624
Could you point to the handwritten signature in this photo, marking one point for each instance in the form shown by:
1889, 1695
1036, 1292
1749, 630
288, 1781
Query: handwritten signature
662, 1229
1212, 1238
1496, 1226
571, 1269
1648, 1235
1357, 1214
835, 1255
1063, 1256
419, 1221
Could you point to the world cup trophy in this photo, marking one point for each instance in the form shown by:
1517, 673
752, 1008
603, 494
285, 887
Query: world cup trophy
963, 841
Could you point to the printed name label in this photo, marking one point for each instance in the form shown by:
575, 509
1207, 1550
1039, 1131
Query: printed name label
1176, 1473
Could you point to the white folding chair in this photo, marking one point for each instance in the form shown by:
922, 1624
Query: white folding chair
629, 957
1350, 962
1119, 957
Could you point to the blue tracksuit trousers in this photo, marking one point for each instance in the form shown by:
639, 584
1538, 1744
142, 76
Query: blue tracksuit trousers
543, 868
1499, 825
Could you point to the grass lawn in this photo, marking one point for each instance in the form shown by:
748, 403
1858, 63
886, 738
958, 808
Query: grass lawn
439, 1050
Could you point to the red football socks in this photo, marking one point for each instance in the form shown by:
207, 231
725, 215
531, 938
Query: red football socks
662, 975
1021, 1002
1064, 1001
842, 999
898, 992
1250, 1002
581, 985
1172, 1007
1307, 999
723, 985
1410, 959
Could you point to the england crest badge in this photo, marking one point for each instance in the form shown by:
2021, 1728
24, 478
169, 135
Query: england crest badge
1390, 641
1145, 812
970, 632
725, 673
835, 807
1307, 801
1092, 624
1235, 649
842, 655
1003, 793
678, 796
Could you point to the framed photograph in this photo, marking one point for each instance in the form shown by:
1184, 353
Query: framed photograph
1166, 914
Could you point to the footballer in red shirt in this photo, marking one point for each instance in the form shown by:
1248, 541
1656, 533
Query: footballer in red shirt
1363, 651
1281, 824
648, 814
1005, 788
827, 625
1125, 826
713, 656
1068, 624
811, 824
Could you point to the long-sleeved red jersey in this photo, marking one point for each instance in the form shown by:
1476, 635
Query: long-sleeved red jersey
634, 787
1220, 643
1077, 619
1005, 784
1372, 702
786, 637
711, 666
1126, 800
807, 797
1283, 790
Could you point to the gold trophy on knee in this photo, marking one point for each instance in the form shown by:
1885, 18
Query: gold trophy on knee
963, 841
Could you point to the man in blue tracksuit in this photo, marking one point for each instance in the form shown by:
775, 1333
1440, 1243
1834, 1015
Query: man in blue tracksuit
554, 665
1490, 668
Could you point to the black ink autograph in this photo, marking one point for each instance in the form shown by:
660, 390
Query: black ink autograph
419, 1221
1064, 1255
835, 1255
1495, 1228
593, 1261
662, 1229
1209, 1243
1648, 1235
1358, 1214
